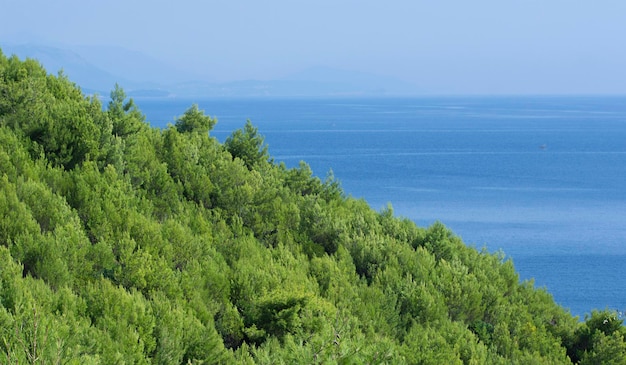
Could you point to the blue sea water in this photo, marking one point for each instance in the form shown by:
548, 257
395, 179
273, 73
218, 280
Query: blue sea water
540, 178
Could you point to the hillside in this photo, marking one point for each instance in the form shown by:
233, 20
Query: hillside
126, 244
96, 68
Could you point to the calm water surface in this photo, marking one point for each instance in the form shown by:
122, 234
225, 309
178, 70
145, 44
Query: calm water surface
540, 178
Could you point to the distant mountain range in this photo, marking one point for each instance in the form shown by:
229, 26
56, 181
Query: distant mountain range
96, 69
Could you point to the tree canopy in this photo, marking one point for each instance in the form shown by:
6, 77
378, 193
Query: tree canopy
126, 244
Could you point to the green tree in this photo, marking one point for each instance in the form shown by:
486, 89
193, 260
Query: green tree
248, 145
195, 121
124, 114
606, 350
601, 330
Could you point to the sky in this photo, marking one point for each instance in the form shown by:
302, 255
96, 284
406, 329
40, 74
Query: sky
442, 47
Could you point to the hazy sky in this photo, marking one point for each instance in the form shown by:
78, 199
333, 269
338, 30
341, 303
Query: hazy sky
443, 46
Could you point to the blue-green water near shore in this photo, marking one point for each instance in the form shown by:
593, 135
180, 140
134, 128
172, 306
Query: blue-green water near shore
540, 178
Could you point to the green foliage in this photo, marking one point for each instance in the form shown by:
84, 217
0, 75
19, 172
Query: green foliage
194, 121
600, 340
50, 111
606, 349
247, 144
125, 116
187, 158
121, 243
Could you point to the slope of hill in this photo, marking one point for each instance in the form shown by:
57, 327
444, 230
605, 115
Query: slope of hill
86, 74
121, 243
98, 68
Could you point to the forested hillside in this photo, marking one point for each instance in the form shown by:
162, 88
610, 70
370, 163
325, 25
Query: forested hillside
126, 244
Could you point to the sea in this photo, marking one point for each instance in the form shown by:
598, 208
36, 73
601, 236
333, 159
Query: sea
541, 179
